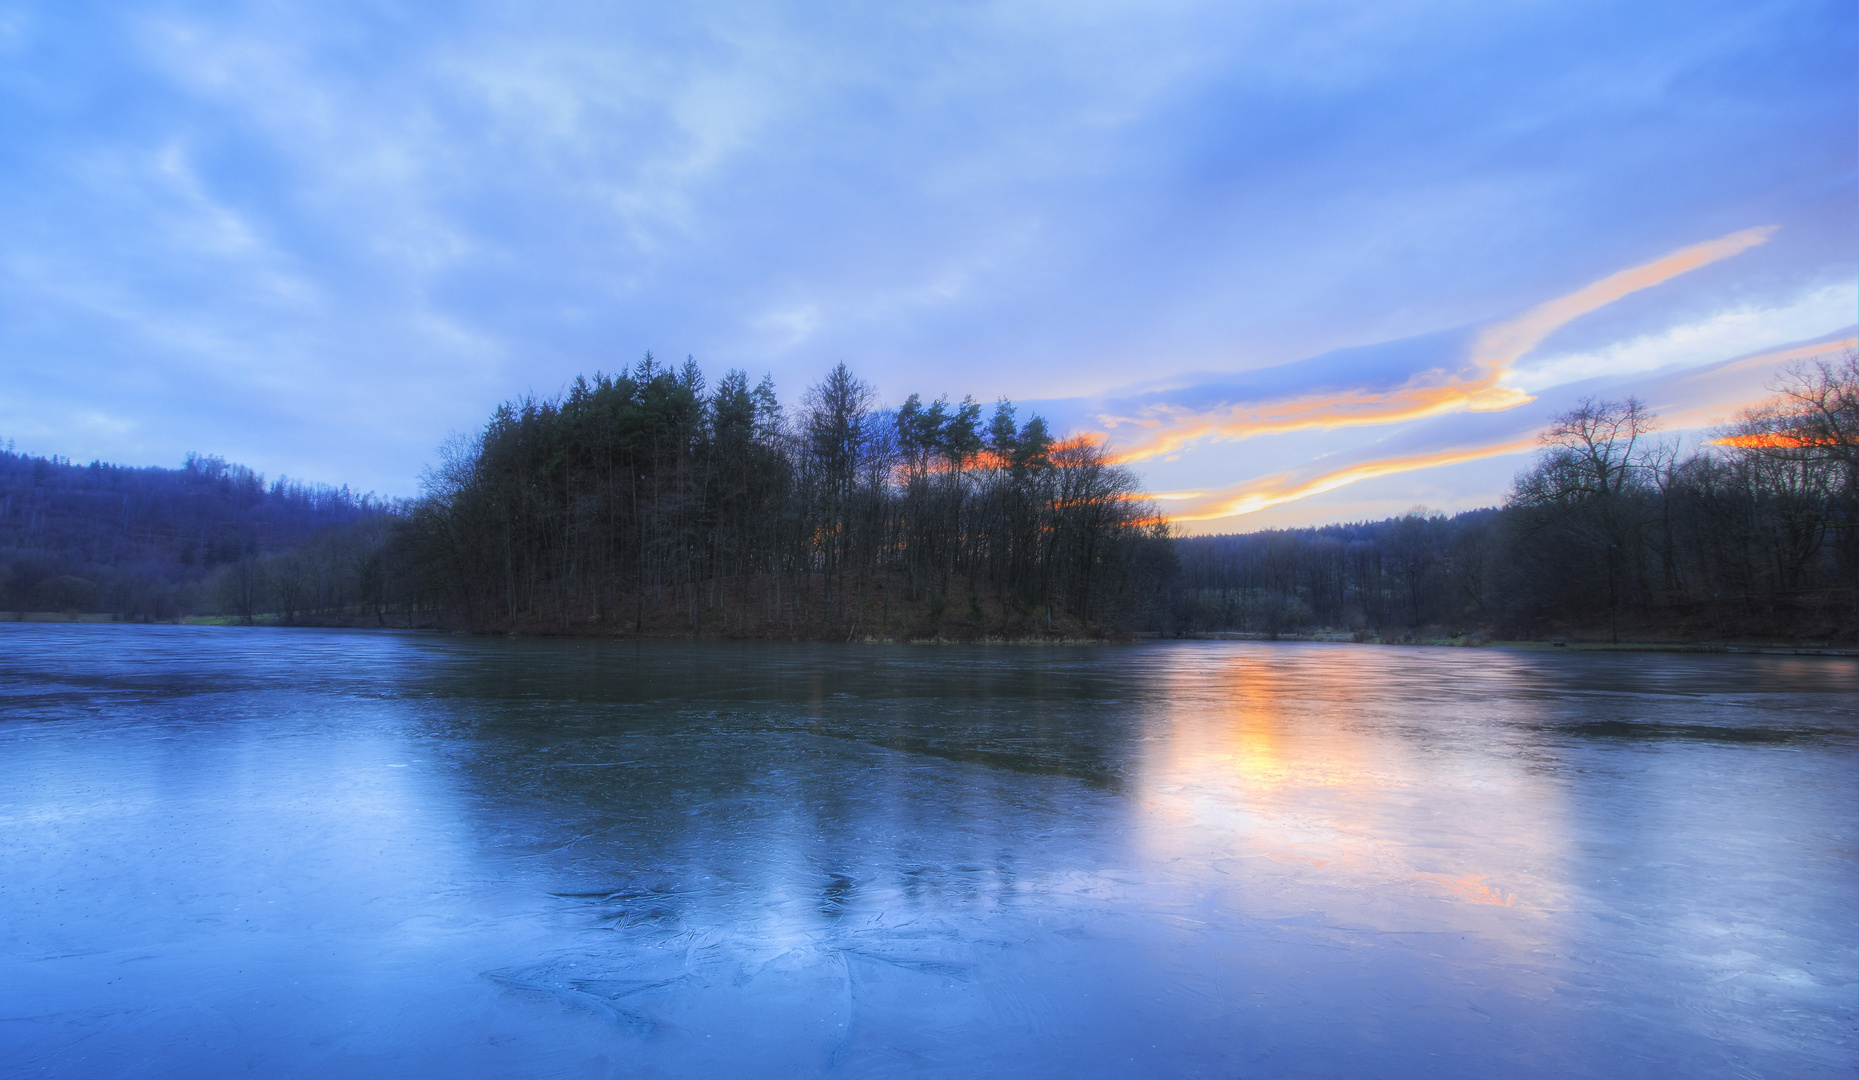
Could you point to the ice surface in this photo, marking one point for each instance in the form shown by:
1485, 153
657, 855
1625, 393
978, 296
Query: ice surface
304, 853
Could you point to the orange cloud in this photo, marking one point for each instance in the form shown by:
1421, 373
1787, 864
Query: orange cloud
1493, 357
1283, 488
1273, 490
1420, 398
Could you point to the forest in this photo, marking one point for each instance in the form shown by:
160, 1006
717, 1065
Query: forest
650, 503
643, 503
148, 543
1612, 534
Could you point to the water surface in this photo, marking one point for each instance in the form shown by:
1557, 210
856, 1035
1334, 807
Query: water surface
303, 853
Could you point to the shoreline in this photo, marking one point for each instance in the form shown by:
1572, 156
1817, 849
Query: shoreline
1467, 641
1478, 641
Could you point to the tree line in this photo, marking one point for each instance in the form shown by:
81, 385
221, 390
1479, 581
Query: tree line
647, 502
1611, 532
147, 542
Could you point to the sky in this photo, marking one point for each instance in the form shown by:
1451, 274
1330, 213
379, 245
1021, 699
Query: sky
1296, 262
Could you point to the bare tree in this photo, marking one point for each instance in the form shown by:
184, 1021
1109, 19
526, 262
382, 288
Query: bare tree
1808, 433
1580, 495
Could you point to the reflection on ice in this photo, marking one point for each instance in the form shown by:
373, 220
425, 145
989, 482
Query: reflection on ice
302, 853
1322, 759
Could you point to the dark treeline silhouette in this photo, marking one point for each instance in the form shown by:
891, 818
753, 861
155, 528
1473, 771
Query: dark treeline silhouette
148, 542
648, 503
1611, 532
1383, 577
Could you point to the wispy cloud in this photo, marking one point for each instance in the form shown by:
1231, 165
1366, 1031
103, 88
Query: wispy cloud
1694, 400
1499, 348
1483, 384
1256, 495
318, 236
1743, 329
1718, 394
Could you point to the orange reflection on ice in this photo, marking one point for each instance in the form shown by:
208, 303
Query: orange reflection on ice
1471, 888
1267, 757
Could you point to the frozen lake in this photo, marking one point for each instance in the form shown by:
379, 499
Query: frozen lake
303, 853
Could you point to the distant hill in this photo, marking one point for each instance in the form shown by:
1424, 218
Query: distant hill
140, 541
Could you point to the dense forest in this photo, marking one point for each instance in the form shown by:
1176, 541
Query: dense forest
649, 503
1612, 533
145, 542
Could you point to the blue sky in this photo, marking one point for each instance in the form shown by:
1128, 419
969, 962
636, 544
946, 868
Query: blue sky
317, 238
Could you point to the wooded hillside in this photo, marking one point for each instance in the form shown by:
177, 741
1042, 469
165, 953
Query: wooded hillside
141, 542
1612, 533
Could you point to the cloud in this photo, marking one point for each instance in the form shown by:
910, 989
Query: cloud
1499, 348
317, 236
1692, 400
1708, 397
1484, 388
1175, 428
1256, 495
1725, 333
